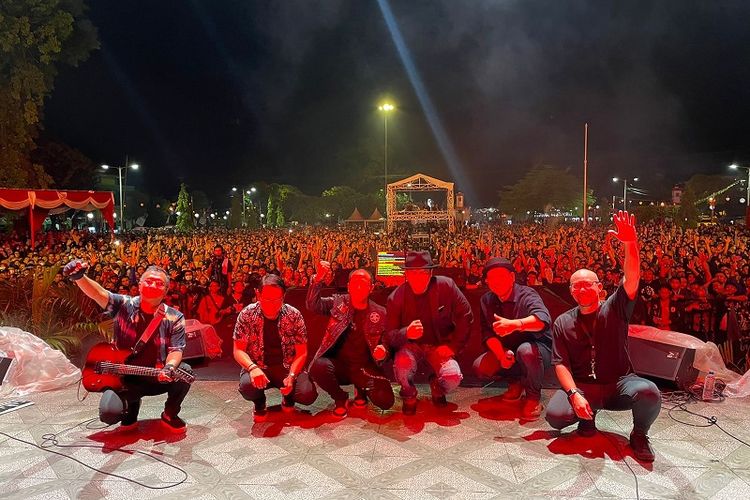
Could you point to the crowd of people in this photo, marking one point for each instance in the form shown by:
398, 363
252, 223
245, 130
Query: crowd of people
692, 280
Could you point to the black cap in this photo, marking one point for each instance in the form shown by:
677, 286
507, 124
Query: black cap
496, 262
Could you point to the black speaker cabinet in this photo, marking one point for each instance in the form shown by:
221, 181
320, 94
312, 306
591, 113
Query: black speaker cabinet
662, 360
195, 347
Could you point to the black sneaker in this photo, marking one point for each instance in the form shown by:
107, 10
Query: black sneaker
173, 423
587, 428
260, 413
438, 398
409, 406
360, 398
130, 415
128, 427
641, 448
287, 404
341, 408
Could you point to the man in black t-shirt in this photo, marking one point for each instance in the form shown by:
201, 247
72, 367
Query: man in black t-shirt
590, 353
351, 349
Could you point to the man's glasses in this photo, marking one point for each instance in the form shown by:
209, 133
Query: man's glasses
583, 285
153, 282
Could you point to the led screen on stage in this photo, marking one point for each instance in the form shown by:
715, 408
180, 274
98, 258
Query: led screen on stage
390, 268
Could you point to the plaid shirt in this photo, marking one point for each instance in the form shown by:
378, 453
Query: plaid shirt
249, 327
126, 311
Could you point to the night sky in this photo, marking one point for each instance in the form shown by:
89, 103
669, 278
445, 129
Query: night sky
217, 93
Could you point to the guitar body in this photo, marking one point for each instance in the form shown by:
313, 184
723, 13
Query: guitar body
100, 382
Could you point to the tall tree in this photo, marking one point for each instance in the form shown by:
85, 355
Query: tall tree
184, 210
274, 201
687, 214
36, 37
542, 188
68, 167
285, 190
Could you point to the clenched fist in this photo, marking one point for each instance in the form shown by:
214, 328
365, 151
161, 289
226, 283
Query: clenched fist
75, 269
415, 330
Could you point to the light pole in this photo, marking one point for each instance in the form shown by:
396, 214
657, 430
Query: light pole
134, 166
624, 191
386, 108
734, 166
249, 192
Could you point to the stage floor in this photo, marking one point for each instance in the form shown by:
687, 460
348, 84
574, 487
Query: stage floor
473, 449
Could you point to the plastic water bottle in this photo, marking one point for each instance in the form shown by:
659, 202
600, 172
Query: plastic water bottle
708, 386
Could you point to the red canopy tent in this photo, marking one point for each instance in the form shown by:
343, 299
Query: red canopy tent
43, 202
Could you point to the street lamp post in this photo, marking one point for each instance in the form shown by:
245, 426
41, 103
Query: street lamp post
249, 192
385, 108
134, 166
734, 166
624, 191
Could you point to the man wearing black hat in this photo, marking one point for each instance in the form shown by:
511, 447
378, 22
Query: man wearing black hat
516, 331
428, 320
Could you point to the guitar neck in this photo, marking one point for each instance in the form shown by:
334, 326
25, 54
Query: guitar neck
117, 369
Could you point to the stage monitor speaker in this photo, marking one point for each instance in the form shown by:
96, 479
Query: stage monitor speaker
195, 347
663, 360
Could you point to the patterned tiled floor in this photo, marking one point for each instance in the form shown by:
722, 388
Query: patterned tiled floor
474, 449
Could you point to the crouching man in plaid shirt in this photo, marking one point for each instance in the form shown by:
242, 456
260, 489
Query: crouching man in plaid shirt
132, 316
270, 344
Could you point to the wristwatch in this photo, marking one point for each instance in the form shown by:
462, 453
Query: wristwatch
572, 391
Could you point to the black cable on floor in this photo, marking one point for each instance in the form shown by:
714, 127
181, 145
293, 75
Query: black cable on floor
51, 439
680, 400
622, 458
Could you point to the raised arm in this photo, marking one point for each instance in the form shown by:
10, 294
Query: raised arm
75, 270
625, 232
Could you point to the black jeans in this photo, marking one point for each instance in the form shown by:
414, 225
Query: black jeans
532, 361
630, 392
124, 405
304, 391
331, 373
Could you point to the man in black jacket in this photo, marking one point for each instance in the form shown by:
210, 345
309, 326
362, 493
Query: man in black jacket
351, 348
428, 320
516, 331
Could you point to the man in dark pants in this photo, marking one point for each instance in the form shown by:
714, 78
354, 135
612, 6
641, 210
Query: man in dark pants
590, 353
220, 269
270, 344
516, 331
428, 320
132, 316
351, 347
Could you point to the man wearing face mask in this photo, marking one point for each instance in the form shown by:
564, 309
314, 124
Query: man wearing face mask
515, 327
351, 348
270, 344
590, 353
428, 320
132, 316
